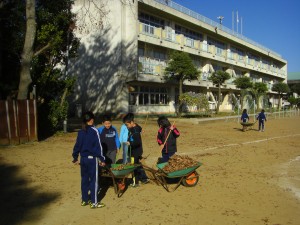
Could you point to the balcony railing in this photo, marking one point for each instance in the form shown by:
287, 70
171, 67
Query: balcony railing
169, 35
152, 66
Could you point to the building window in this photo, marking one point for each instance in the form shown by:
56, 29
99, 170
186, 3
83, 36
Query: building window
188, 33
151, 20
145, 95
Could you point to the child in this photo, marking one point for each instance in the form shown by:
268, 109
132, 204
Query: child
89, 147
166, 138
109, 140
135, 148
261, 120
123, 139
244, 118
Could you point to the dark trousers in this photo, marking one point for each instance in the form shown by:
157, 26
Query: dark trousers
139, 172
89, 178
261, 124
166, 156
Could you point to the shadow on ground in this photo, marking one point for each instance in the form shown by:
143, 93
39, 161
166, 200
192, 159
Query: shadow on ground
18, 201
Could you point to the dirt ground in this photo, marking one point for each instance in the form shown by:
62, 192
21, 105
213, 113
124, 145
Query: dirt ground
246, 178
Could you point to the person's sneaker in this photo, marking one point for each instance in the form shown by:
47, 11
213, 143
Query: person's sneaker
83, 203
263, 130
146, 181
134, 185
97, 205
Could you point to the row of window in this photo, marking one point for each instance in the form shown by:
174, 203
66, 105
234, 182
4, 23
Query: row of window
151, 22
144, 95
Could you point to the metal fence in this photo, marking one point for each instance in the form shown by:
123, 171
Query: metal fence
18, 122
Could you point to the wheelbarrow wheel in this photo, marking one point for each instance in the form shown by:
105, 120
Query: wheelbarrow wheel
121, 185
190, 180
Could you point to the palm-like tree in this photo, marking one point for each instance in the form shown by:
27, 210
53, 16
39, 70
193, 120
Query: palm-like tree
218, 78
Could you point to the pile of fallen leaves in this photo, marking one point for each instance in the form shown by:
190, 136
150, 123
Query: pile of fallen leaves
121, 167
177, 162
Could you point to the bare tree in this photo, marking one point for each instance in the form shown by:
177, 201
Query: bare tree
27, 53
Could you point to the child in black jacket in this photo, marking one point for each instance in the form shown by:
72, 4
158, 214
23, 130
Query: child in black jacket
135, 148
166, 138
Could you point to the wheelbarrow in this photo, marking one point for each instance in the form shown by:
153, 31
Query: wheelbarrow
119, 173
188, 177
247, 125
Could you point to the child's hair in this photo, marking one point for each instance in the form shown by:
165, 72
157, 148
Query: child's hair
86, 117
262, 110
163, 121
106, 118
128, 118
245, 111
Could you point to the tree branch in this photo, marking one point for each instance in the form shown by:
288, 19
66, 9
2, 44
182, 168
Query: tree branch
42, 50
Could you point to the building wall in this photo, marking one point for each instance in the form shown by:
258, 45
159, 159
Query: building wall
109, 58
106, 57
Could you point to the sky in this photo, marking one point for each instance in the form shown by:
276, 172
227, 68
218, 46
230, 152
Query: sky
274, 24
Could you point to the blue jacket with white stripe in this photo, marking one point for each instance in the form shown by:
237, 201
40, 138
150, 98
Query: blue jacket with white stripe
88, 143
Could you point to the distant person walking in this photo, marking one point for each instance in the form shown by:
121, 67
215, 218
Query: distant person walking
88, 145
261, 120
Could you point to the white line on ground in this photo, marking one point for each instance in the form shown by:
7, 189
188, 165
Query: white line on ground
152, 159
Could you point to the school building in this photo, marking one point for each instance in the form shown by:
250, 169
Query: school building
122, 56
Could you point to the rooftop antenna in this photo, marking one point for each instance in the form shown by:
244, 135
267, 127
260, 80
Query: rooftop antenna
237, 21
232, 27
241, 25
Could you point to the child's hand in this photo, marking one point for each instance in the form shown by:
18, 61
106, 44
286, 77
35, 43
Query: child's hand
127, 143
172, 127
76, 162
101, 163
161, 147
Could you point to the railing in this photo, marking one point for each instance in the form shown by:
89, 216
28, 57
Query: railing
148, 29
152, 66
212, 23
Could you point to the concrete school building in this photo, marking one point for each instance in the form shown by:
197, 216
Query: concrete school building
122, 56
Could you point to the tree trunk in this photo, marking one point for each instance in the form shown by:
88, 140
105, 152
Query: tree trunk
219, 99
279, 101
180, 93
25, 78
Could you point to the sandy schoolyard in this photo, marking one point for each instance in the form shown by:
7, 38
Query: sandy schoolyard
246, 178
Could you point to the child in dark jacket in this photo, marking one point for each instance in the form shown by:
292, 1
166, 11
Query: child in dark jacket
244, 117
166, 138
135, 148
109, 140
89, 147
261, 120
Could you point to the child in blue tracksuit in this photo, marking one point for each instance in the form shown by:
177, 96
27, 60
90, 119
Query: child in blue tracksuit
123, 139
109, 140
88, 145
261, 120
